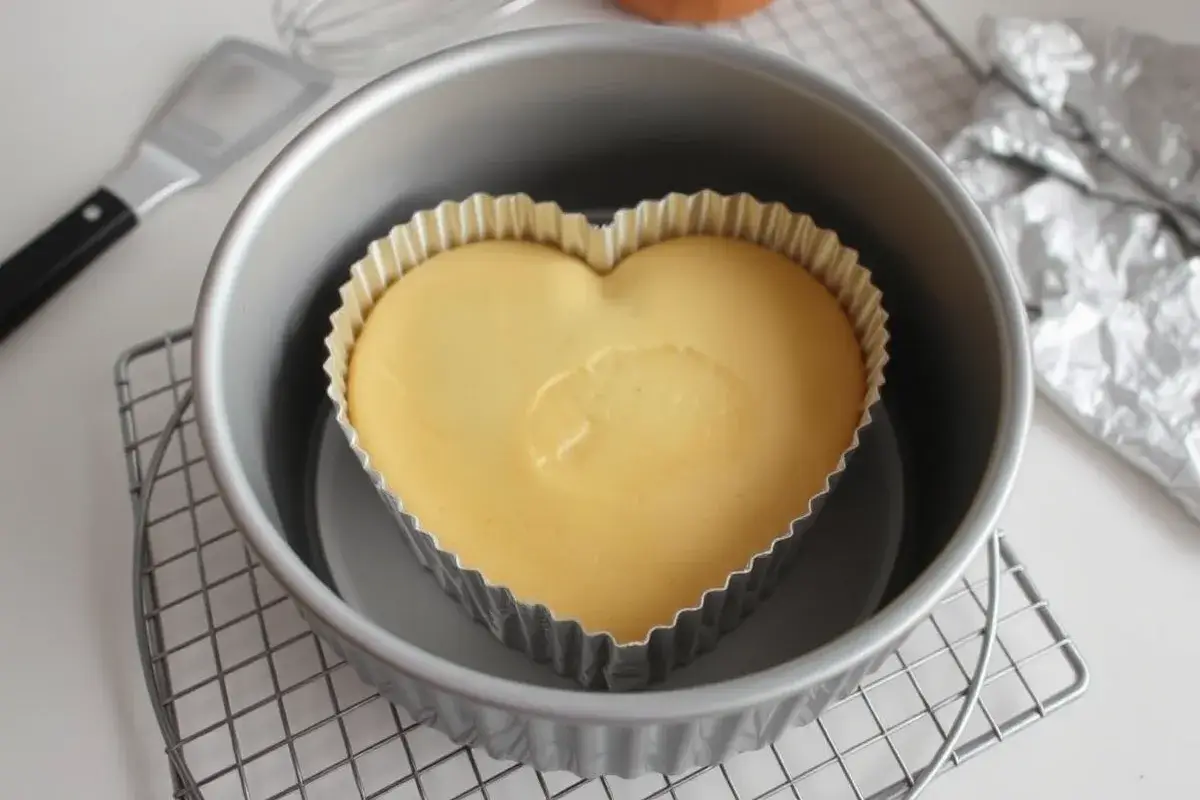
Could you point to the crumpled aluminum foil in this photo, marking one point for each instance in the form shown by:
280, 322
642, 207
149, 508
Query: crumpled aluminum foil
1084, 152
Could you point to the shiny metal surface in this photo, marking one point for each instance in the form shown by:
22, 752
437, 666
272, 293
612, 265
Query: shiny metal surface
650, 111
149, 176
1084, 153
229, 103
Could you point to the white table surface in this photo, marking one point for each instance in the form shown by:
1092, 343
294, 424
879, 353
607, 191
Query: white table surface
1119, 563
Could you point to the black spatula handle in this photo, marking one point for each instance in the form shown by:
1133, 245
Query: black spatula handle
33, 274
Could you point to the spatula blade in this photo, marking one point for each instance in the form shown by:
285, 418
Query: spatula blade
235, 98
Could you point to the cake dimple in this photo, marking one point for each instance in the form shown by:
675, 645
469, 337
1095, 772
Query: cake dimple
611, 447
672, 407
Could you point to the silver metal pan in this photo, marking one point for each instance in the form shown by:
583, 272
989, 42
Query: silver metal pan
596, 117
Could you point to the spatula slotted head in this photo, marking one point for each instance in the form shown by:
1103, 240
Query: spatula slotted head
234, 99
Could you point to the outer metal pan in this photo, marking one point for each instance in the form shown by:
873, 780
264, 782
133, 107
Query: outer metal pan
601, 116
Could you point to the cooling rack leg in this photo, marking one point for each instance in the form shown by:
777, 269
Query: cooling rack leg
141, 531
977, 680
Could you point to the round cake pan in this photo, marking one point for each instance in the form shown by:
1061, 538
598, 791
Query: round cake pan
599, 116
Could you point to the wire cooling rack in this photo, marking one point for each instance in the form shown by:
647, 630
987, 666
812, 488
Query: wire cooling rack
256, 707
890, 51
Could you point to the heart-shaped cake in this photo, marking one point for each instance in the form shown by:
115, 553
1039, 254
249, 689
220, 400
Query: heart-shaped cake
604, 441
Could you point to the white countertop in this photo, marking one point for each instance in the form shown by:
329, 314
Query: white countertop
1120, 564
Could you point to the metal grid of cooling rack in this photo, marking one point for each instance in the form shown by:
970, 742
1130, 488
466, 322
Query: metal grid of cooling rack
256, 707
890, 51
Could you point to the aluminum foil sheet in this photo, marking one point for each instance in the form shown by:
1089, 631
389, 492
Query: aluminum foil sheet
1084, 152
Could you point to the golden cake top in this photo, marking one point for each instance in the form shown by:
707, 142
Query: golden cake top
609, 447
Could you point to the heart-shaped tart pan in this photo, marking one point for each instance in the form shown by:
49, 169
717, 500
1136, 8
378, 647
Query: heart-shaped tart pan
596, 659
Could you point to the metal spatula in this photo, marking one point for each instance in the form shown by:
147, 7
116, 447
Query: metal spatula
234, 99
